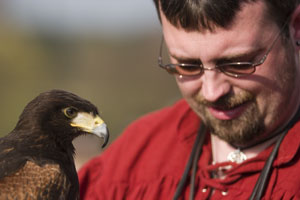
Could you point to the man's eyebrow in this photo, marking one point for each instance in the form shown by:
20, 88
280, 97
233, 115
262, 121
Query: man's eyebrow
184, 59
246, 56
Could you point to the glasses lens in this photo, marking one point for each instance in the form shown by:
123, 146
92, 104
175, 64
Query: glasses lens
188, 70
240, 68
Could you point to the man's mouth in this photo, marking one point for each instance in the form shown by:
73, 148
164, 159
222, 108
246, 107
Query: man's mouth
227, 114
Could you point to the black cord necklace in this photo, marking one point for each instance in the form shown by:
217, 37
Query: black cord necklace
196, 151
261, 183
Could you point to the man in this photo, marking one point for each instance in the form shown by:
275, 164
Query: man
236, 63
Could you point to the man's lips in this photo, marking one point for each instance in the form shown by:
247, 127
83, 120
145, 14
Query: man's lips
227, 114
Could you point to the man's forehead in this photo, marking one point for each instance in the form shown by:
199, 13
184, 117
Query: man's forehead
251, 13
251, 16
250, 31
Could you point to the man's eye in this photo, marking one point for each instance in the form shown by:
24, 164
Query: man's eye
189, 67
191, 62
237, 68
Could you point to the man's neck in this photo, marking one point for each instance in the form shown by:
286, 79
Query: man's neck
221, 149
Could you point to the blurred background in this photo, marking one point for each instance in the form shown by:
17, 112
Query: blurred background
102, 50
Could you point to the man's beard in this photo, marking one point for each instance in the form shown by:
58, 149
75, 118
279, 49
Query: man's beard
239, 131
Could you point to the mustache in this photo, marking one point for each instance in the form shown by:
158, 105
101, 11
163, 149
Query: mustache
228, 101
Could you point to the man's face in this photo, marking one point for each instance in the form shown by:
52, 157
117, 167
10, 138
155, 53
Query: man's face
238, 110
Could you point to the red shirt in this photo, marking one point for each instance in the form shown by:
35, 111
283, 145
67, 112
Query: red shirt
148, 159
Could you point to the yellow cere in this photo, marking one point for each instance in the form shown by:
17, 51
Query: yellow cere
86, 121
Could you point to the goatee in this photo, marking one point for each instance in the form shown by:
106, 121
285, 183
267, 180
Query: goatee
238, 131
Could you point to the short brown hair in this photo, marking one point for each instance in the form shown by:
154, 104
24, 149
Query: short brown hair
207, 14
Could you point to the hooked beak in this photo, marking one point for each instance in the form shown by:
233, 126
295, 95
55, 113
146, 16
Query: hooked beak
91, 124
102, 132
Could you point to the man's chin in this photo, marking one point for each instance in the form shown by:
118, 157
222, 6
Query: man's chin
240, 131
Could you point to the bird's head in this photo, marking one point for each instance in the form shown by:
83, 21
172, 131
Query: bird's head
62, 115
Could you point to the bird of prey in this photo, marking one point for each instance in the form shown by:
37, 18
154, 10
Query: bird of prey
36, 158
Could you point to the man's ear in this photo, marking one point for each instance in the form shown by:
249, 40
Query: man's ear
295, 27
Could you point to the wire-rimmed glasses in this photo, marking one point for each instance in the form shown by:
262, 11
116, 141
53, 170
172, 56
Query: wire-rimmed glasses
233, 69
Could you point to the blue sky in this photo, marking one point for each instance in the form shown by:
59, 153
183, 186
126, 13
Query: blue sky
73, 16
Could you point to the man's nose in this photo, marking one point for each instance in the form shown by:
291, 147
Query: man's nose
214, 85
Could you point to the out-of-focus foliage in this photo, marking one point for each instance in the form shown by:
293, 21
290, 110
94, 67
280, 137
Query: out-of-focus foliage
120, 76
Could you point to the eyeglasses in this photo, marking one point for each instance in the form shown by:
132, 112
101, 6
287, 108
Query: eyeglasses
232, 69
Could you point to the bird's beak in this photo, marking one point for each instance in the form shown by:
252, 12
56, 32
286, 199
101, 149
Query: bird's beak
91, 124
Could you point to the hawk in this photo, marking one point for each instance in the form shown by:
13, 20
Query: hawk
36, 158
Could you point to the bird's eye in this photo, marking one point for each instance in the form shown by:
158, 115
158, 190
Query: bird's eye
70, 112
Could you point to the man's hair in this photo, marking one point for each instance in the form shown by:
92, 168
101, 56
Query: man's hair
208, 14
